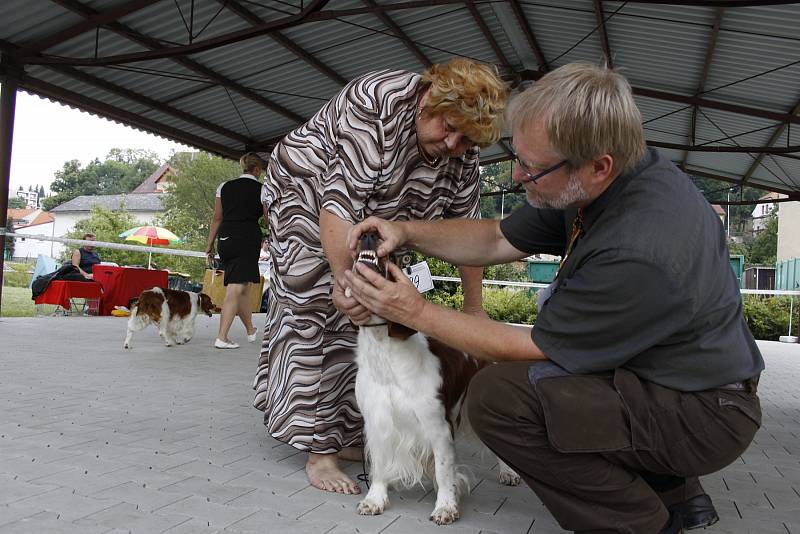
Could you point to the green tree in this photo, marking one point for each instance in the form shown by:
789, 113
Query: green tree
16, 203
107, 225
764, 249
496, 177
121, 172
189, 205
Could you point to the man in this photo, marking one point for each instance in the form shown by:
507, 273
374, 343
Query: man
648, 372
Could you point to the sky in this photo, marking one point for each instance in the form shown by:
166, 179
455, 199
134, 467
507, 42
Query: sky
47, 134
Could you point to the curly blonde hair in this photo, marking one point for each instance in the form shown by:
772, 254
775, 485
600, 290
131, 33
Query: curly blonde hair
252, 163
471, 95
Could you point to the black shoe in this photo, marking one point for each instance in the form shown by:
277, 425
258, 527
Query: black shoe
697, 512
674, 524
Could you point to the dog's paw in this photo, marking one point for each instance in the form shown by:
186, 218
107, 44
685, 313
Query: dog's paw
444, 515
508, 477
370, 507
127, 345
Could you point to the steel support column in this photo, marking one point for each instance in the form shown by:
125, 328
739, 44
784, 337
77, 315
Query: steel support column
8, 101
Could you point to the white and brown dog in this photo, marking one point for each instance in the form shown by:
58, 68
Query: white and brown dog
171, 310
410, 389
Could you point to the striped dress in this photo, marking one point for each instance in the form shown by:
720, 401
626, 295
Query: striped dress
356, 157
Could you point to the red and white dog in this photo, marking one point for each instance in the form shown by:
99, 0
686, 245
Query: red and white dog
409, 389
172, 311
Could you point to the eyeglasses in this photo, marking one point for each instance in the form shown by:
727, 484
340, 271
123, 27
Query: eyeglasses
531, 177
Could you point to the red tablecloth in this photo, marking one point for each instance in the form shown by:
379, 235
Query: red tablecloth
60, 291
121, 284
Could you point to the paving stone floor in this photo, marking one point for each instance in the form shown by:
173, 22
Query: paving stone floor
97, 439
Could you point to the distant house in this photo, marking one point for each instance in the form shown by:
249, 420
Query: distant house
143, 206
31, 221
158, 182
31, 198
720, 211
762, 212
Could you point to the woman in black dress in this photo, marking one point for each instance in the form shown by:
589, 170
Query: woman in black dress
237, 208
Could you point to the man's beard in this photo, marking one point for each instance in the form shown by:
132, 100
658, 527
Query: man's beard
573, 194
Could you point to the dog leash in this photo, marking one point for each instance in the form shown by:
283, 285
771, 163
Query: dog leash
363, 477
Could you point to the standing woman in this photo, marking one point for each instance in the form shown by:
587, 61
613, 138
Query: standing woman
391, 143
236, 212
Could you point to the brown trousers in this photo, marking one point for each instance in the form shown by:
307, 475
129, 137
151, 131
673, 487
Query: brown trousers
594, 447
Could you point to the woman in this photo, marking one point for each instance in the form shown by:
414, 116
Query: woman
85, 258
236, 213
391, 143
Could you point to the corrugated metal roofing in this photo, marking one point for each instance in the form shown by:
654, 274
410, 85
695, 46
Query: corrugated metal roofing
244, 94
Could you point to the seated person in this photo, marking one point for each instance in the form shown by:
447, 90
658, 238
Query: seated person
85, 258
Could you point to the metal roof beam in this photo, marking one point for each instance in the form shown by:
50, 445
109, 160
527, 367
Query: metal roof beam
772, 140
286, 42
694, 100
601, 24
94, 21
712, 45
149, 102
487, 34
153, 44
528, 32
312, 13
729, 149
48, 90
395, 28
765, 187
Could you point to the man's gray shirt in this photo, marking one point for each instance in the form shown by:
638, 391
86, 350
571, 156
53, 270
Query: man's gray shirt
648, 287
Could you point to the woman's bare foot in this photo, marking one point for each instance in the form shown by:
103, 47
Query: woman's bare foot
324, 473
351, 454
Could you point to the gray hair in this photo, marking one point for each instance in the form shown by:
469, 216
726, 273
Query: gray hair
587, 111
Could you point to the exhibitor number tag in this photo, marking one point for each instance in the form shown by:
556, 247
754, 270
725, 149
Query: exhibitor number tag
420, 276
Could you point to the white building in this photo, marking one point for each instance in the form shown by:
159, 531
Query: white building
31, 198
762, 212
788, 231
31, 221
143, 206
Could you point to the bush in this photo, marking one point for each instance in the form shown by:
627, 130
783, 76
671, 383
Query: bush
768, 317
18, 276
510, 305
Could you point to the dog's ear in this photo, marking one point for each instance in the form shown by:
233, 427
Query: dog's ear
400, 331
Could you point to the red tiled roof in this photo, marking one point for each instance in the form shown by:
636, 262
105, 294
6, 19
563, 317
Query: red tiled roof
17, 214
719, 210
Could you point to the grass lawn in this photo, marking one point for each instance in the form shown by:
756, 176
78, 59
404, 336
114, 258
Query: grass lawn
17, 302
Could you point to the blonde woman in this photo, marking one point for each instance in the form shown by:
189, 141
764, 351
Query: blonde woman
236, 213
395, 144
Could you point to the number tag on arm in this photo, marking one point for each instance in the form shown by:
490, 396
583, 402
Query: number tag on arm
420, 276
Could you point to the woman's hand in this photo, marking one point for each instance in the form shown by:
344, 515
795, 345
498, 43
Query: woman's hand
392, 235
349, 306
399, 301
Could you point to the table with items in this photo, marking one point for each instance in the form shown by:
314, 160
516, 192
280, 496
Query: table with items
121, 284
65, 293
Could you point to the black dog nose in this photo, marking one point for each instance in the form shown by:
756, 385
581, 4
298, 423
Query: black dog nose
369, 241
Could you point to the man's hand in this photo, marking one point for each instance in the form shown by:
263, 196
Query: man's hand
392, 235
399, 302
349, 306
